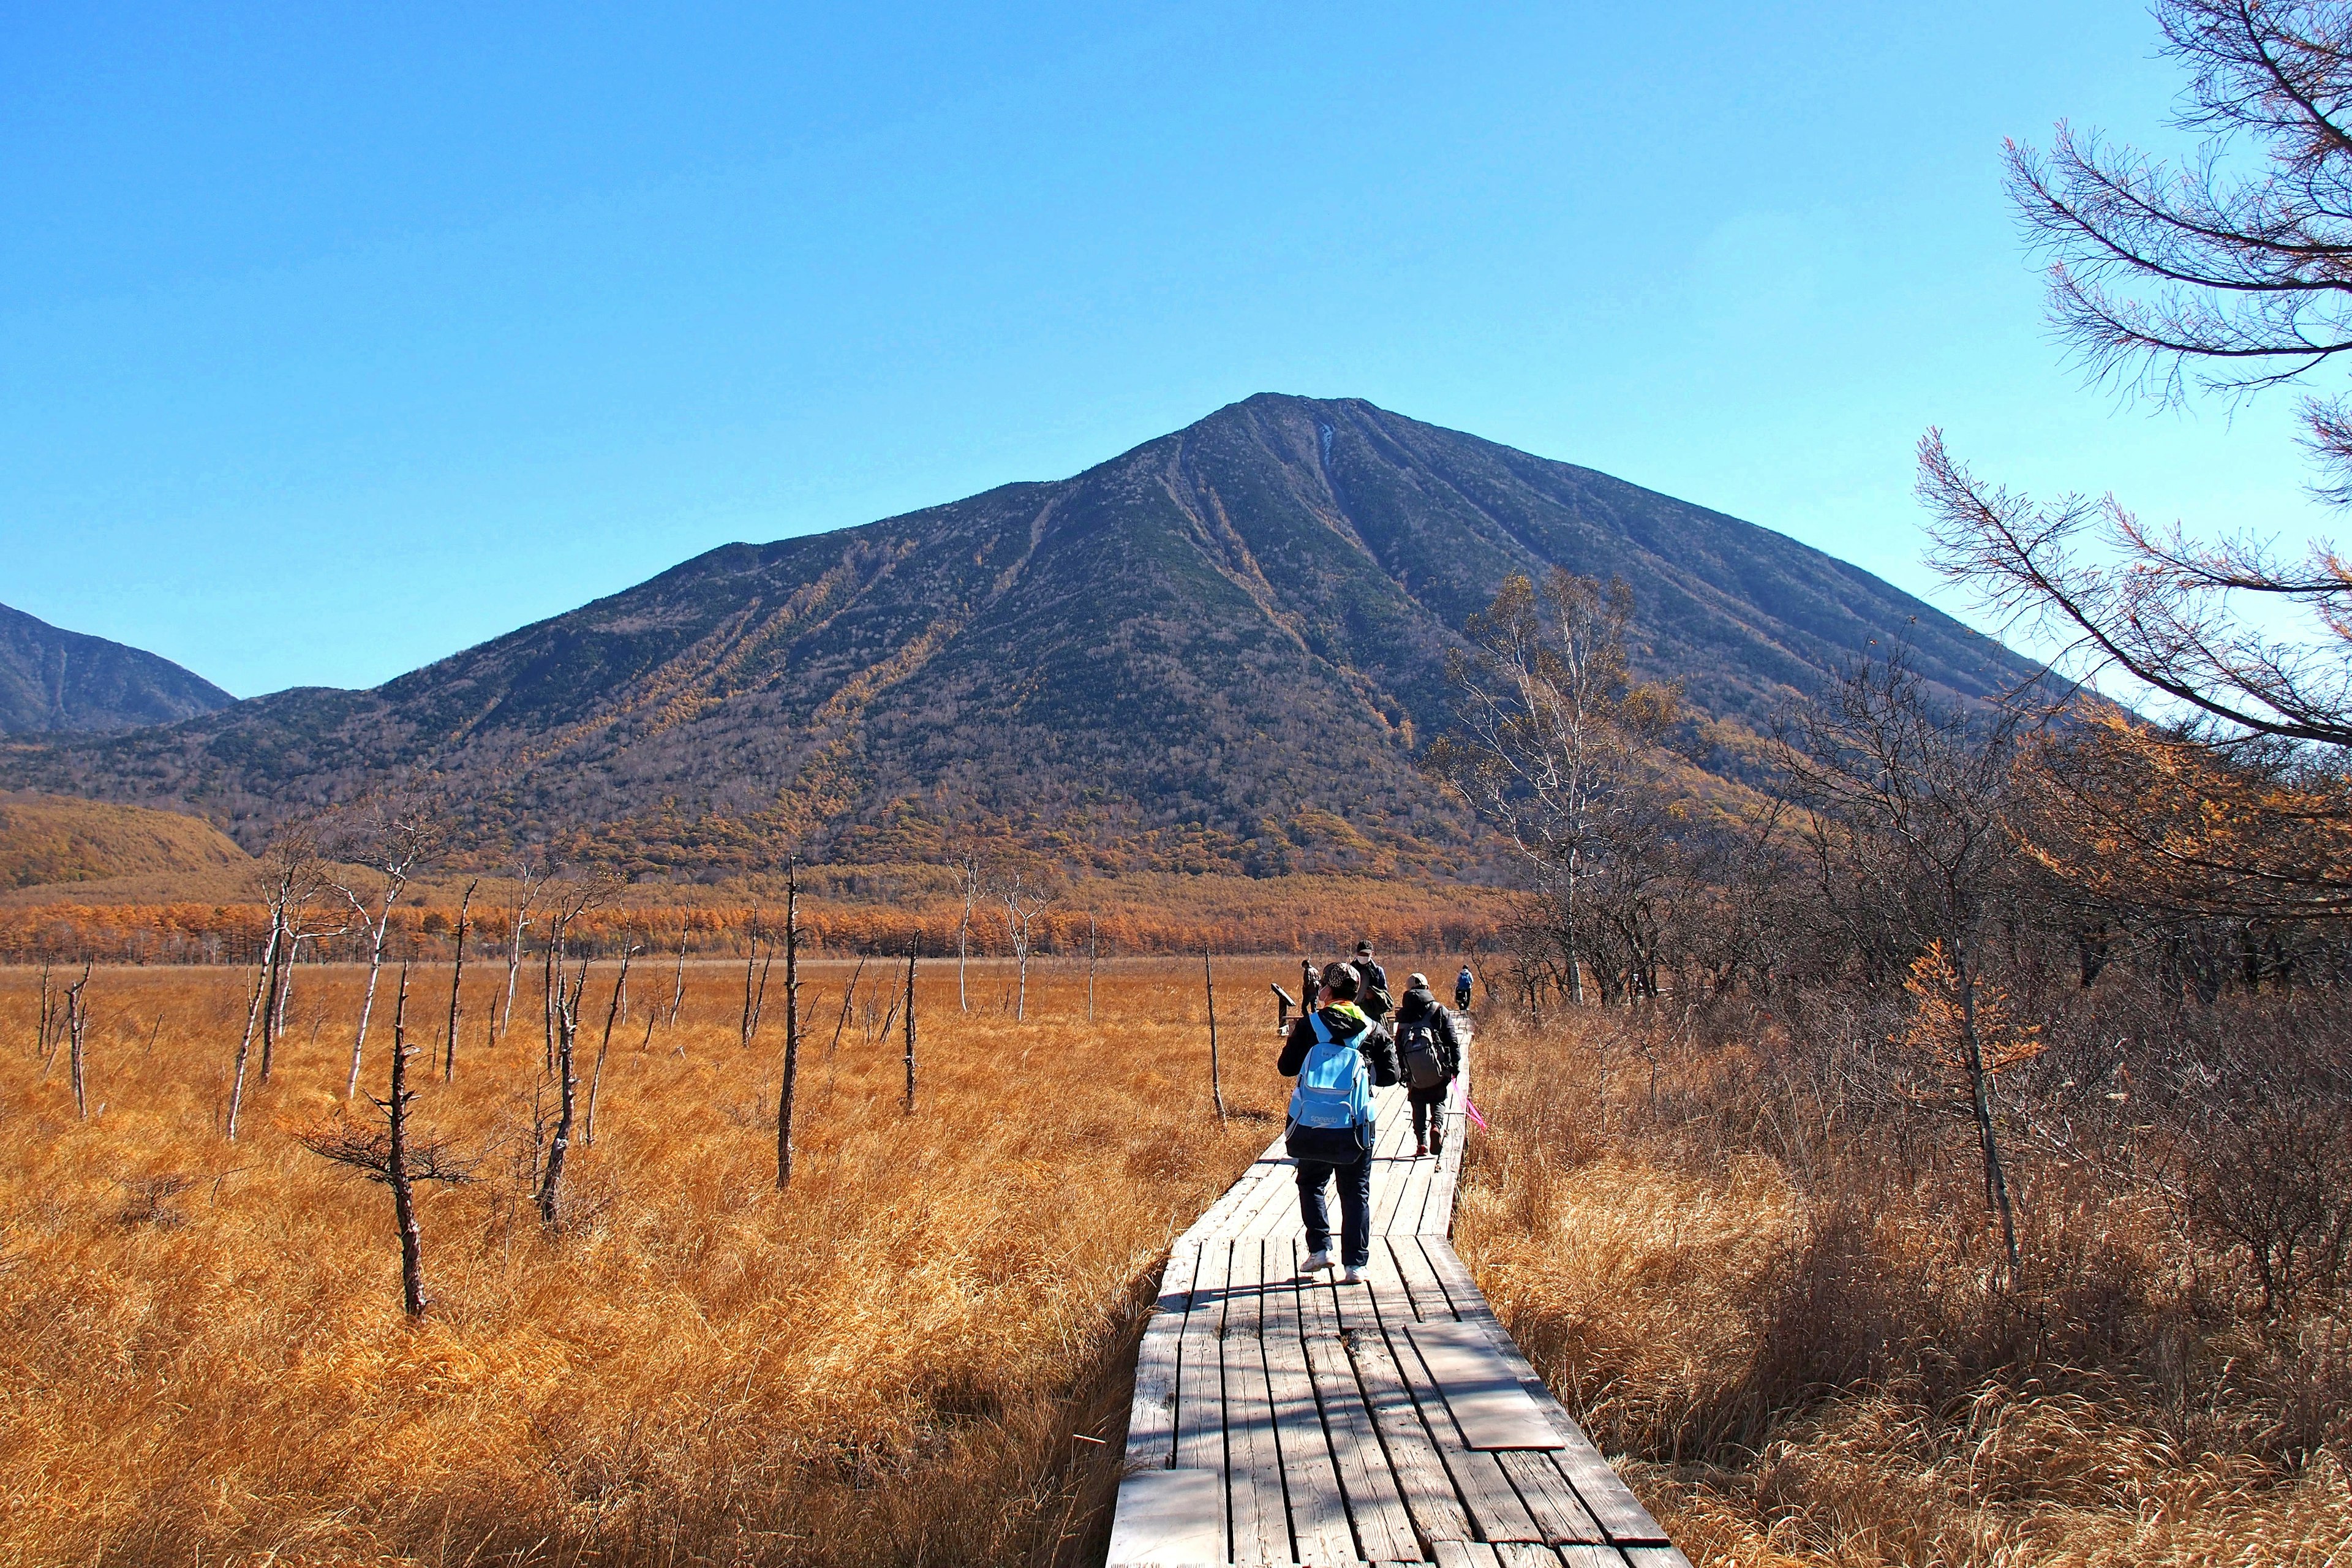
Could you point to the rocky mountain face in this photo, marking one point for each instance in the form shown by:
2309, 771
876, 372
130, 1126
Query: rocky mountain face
59, 680
1220, 650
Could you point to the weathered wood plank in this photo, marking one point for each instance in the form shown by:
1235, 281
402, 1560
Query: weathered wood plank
1310, 1474
1261, 1531
1599, 1556
1493, 1505
1199, 1374
1661, 1555
1151, 1413
1480, 1389
1606, 1497
1383, 1525
1169, 1517
1420, 1475
1463, 1554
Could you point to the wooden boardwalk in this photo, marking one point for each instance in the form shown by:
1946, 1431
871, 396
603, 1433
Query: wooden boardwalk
1280, 1419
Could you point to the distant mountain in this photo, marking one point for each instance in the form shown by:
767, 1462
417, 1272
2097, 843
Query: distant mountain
52, 680
1220, 650
44, 839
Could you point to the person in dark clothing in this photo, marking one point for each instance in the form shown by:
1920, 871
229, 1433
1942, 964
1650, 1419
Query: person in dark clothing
1374, 982
1429, 1104
1343, 1155
1462, 990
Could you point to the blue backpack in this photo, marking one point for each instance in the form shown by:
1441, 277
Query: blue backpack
1335, 1086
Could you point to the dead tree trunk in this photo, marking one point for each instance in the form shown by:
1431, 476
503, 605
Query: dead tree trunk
678, 988
791, 1026
41, 1030
272, 1018
77, 1025
245, 1046
1216, 1085
566, 1012
1090, 968
395, 1163
457, 984
751, 972
382, 927
1979, 1077
963, 931
612, 1016
910, 1106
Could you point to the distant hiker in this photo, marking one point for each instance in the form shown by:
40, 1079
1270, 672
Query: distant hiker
1338, 1055
1462, 990
1429, 1058
1375, 998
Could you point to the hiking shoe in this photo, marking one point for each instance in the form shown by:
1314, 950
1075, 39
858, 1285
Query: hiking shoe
1420, 1151
1437, 1142
1354, 1276
1317, 1262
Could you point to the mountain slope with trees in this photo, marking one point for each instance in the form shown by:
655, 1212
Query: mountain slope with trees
1222, 649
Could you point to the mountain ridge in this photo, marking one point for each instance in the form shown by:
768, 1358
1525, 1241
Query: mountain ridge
1220, 649
55, 680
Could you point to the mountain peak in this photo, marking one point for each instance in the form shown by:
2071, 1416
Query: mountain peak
1221, 649
52, 680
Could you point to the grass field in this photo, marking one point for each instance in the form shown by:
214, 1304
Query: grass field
203, 1356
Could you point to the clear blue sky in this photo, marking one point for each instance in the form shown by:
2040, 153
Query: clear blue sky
334, 341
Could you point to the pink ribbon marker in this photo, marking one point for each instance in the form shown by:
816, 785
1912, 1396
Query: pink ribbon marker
1471, 1111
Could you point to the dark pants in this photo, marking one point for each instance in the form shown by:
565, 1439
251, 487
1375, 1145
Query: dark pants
1429, 1118
1355, 1178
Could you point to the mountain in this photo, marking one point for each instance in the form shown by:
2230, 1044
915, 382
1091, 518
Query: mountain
1220, 650
52, 680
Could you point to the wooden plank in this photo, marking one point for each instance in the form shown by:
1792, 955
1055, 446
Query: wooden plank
1421, 1476
1199, 1374
1521, 1554
1462, 1554
1603, 1556
1429, 1301
1605, 1496
1383, 1525
1260, 1533
1480, 1388
1310, 1475
1663, 1555
1493, 1505
1168, 1518
1551, 1501
1151, 1413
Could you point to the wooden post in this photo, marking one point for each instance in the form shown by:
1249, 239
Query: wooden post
792, 1024
1216, 1088
457, 982
911, 946
395, 1161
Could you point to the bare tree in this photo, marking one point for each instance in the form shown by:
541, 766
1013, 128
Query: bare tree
566, 1012
969, 872
908, 1106
1552, 734
394, 843
457, 981
678, 985
76, 1027
1026, 895
390, 1155
1908, 808
612, 1016
528, 873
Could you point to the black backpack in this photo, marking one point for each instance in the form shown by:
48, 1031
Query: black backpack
1418, 1056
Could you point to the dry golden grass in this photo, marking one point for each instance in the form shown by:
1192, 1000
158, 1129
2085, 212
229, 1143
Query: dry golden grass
1814, 1367
886, 1364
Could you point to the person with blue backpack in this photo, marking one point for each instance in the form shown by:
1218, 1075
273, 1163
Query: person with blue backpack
1338, 1055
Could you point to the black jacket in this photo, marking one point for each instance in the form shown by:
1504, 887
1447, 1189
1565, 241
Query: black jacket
1378, 1045
1419, 1004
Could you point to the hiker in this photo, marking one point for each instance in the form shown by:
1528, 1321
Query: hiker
1462, 990
1338, 1055
1429, 1058
1374, 997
